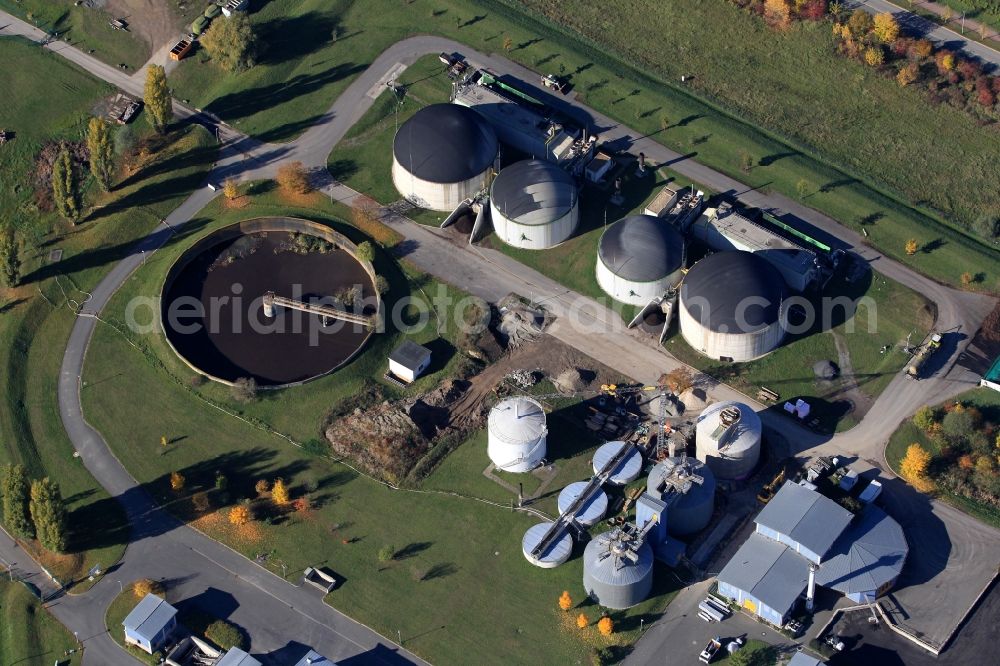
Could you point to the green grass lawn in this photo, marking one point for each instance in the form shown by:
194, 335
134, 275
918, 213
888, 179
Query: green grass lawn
440, 568
853, 172
29, 635
85, 28
37, 315
987, 401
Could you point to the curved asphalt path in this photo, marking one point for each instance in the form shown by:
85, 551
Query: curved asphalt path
162, 547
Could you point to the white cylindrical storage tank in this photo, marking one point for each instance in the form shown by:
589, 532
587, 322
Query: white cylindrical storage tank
516, 434
441, 156
732, 306
639, 258
591, 511
727, 439
617, 572
689, 512
626, 471
551, 557
534, 205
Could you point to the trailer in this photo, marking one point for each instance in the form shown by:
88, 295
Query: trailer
553, 82
181, 49
924, 353
715, 614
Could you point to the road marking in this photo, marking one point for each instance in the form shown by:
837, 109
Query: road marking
391, 75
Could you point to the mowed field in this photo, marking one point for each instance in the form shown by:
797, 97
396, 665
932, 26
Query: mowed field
29, 635
50, 99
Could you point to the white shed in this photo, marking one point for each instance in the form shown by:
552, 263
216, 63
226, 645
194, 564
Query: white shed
408, 361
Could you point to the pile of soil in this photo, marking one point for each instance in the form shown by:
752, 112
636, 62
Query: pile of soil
825, 370
695, 400
572, 380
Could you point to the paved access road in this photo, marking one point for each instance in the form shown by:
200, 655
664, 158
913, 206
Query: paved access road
161, 547
917, 25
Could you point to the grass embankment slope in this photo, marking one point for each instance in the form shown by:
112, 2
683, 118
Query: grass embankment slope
986, 401
887, 130
29, 635
85, 28
984, 11
447, 543
49, 99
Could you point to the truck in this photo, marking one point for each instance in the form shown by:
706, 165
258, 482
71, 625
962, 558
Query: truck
181, 49
455, 64
924, 353
553, 82
710, 650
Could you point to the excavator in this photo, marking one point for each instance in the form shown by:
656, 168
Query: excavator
768, 491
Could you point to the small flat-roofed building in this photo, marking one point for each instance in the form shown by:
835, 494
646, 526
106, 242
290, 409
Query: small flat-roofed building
803, 520
150, 624
408, 361
663, 202
766, 578
992, 377
236, 657
802, 659
867, 558
599, 166
313, 658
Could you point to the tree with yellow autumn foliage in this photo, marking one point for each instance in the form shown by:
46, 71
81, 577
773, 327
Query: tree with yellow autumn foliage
239, 515
176, 481
886, 28
279, 492
262, 486
230, 188
779, 11
144, 586
582, 621
565, 601
606, 626
914, 467
912, 246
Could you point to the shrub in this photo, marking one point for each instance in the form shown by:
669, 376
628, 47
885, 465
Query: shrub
582, 621
293, 178
886, 28
262, 486
366, 252
225, 635
144, 586
908, 74
874, 56
386, 553
606, 626
279, 492
176, 481
244, 389
911, 247
565, 601
240, 515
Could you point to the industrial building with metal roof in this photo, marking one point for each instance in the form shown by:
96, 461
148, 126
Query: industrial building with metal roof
150, 623
765, 577
803, 520
868, 557
237, 657
800, 532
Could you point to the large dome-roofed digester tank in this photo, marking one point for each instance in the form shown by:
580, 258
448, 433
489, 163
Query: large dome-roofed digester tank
552, 556
534, 205
441, 156
639, 258
732, 306
687, 512
617, 570
728, 439
591, 511
626, 471
516, 433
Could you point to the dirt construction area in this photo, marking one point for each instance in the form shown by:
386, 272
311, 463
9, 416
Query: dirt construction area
156, 22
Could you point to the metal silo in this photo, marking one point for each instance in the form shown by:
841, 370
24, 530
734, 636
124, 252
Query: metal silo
441, 156
516, 434
534, 205
732, 306
592, 511
552, 556
626, 471
688, 488
727, 439
639, 258
618, 569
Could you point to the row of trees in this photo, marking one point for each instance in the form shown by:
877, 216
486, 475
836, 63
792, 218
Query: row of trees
34, 509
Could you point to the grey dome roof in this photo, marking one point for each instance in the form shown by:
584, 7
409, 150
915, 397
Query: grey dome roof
445, 143
533, 192
727, 281
641, 248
